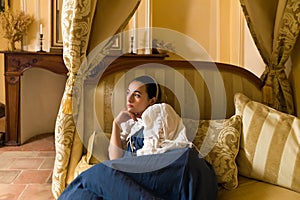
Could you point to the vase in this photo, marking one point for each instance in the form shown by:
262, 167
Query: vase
11, 45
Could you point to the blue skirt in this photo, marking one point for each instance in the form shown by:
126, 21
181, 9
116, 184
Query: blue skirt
177, 174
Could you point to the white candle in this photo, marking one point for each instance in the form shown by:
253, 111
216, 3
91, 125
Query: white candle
38, 20
41, 29
148, 29
23, 4
134, 26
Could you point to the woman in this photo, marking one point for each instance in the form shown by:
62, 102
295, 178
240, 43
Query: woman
162, 131
141, 93
158, 162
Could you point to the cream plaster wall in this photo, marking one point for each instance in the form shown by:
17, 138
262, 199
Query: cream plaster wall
252, 59
218, 26
215, 25
186, 16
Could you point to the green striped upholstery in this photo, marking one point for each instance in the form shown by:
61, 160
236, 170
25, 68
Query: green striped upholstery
270, 144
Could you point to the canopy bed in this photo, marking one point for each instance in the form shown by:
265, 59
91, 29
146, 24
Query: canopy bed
222, 118
226, 101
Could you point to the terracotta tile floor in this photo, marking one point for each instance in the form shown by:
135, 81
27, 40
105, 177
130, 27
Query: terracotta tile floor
26, 170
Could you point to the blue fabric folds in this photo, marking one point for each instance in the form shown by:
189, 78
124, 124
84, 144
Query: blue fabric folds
177, 174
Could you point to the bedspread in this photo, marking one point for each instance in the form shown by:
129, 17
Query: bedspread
176, 174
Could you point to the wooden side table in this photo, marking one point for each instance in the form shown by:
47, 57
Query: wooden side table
15, 64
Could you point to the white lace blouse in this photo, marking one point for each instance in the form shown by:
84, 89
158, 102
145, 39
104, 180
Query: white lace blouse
163, 130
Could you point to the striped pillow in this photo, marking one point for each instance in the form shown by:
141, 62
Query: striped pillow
270, 144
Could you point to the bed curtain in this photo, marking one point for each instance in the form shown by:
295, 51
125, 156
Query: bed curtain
274, 25
78, 17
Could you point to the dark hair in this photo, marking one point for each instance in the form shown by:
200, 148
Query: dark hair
152, 87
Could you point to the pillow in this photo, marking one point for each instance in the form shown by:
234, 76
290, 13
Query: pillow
97, 150
270, 144
218, 141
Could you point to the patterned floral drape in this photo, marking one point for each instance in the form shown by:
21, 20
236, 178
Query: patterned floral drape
274, 25
77, 19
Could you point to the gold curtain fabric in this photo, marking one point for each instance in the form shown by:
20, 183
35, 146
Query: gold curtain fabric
77, 20
77, 17
274, 25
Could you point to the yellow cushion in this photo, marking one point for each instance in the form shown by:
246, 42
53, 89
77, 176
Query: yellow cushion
97, 150
270, 144
218, 141
76, 152
82, 165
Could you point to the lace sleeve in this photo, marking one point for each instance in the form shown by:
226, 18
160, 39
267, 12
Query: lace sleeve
163, 130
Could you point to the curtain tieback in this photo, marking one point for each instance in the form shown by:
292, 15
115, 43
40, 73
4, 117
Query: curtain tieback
267, 91
68, 97
268, 78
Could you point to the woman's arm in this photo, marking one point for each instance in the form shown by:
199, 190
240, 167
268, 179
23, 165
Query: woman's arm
115, 149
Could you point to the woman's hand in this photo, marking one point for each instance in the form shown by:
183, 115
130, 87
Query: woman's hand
125, 115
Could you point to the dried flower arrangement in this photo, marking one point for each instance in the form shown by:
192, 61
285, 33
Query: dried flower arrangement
14, 26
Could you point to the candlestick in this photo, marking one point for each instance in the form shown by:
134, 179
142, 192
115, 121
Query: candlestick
131, 45
41, 43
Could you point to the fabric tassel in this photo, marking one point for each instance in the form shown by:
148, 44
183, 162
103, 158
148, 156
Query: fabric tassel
67, 105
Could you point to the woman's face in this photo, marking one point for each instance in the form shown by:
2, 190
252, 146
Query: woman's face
137, 98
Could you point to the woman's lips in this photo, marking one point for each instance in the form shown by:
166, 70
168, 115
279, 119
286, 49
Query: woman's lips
129, 106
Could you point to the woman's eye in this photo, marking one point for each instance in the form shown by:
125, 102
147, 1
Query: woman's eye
137, 95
